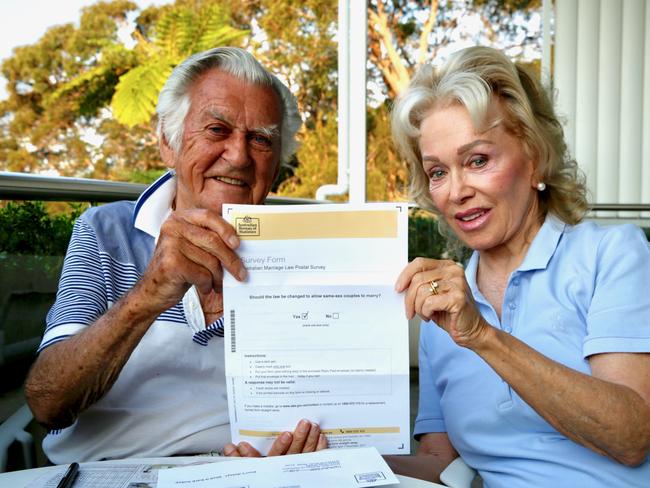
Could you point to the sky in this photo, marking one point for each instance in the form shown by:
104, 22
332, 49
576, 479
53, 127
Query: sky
25, 21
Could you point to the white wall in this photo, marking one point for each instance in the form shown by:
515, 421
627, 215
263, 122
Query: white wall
601, 74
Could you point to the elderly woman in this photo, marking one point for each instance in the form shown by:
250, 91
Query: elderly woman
534, 363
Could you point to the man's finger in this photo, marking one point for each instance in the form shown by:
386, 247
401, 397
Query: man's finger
246, 450
210, 219
300, 437
205, 261
211, 242
281, 445
230, 450
312, 438
322, 442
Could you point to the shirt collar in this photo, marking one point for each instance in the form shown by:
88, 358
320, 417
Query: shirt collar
538, 255
544, 244
155, 204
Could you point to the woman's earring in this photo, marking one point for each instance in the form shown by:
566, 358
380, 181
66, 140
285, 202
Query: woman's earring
541, 186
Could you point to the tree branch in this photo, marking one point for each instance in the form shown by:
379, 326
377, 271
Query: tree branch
426, 31
395, 75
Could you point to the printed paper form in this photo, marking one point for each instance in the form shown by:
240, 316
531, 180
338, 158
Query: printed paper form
341, 468
317, 330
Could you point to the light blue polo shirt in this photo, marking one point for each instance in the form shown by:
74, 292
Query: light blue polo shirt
581, 290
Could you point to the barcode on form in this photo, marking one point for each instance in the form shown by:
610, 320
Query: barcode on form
233, 341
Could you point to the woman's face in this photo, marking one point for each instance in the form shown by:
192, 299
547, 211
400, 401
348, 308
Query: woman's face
483, 183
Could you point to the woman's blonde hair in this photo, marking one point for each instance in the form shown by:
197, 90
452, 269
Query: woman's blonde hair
472, 77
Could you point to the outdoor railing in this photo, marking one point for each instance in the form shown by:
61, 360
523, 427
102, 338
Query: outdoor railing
20, 186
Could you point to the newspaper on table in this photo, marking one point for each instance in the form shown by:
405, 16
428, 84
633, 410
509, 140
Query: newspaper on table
108, 474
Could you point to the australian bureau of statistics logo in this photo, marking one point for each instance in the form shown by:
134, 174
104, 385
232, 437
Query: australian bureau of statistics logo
247, 226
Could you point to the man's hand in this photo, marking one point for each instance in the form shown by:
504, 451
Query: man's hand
306, 438
193, 248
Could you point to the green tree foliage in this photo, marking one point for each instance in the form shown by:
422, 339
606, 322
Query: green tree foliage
424, 238
296, 40
82, 80
404, 34
37, 134
317, 155
77, 82
428, 239
179, 32
28, 228
386, 175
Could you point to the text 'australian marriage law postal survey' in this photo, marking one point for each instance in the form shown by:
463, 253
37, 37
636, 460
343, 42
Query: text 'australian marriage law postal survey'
317, 330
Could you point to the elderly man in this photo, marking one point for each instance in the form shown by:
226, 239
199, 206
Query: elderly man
131, 362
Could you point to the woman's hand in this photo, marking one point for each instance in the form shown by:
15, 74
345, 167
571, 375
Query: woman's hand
437, 290
306, 438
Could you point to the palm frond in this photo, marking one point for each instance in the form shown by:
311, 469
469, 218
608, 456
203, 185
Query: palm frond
174, 32
223, 36
96, 73
137, 92
214, 29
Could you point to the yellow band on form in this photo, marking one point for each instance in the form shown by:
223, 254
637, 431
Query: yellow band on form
342, 431
316, 225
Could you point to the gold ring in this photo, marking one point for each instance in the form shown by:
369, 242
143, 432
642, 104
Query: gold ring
433, 287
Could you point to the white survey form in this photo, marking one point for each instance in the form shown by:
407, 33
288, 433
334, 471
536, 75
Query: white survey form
317, 330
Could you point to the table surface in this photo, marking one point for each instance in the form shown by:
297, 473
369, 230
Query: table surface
18, 479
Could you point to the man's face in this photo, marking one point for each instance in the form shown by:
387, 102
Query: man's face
230, 150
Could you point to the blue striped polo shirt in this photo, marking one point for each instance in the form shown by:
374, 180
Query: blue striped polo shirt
170, 397
106, 258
